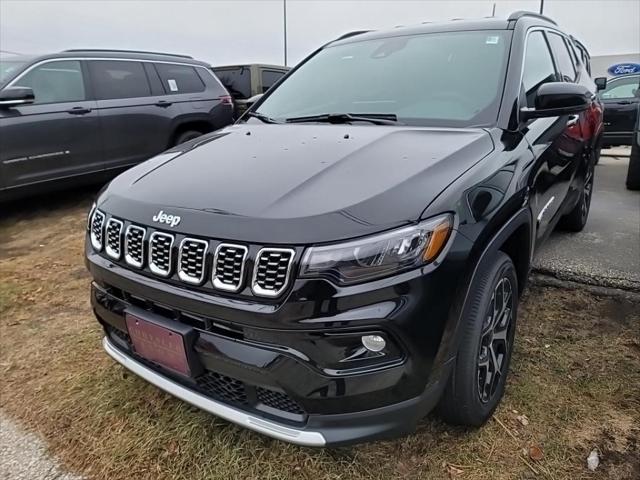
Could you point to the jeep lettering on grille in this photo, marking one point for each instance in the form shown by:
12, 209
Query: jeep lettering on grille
171, 220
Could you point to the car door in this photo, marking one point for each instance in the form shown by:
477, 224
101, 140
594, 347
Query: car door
135, 113
551, 140
56, 136
620, 99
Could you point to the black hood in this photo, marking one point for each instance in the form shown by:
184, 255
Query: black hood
299, 184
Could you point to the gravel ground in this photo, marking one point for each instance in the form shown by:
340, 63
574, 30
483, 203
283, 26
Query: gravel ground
23, 456
607, 252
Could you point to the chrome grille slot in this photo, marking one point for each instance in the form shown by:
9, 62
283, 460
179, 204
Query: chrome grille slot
160, 253
113, 235
228, 266
134, 246
97, 224
191, 260
271, 271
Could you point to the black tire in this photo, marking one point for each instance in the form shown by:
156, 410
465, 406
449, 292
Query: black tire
486, 342
576, 219
633, 172
186, 136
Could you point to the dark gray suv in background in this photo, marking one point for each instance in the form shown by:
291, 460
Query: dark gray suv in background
83, 116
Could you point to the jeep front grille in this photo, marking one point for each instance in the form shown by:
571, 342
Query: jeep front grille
191, 260
134, 246
156, 251
160, 253
97, 224
228, 266
271, 271
113, 244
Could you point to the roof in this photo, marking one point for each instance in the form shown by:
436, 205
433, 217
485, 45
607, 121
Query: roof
453, 25
129, 54
248, 65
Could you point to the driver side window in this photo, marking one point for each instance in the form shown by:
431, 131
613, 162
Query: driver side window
538, 66
55, 82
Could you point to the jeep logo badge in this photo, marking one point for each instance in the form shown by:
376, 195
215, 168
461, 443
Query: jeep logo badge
171, 220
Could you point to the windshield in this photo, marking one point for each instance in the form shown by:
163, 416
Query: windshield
438, 79
9, 67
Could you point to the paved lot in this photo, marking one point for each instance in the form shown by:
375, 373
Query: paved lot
23, 455
607, 252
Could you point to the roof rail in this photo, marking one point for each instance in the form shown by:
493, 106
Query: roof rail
110, 50
351, 34
515, 16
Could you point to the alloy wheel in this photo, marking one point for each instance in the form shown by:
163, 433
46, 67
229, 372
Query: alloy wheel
495, 340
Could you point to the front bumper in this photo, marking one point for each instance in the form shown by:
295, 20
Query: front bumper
319, 431
294, 349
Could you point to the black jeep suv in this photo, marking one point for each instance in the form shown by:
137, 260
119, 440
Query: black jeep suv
83, 116
350, 254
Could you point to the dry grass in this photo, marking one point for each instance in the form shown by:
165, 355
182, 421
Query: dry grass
576, 373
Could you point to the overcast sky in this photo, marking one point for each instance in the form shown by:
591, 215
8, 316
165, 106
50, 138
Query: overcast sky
239, 31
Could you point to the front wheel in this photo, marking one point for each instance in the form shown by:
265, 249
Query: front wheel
477, 383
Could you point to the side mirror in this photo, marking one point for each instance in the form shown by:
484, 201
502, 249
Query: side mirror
12, 96
254, 99
601, 83
555, 99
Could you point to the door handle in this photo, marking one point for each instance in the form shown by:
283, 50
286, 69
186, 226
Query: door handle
79, 111
163, 103
573, 119
624, 102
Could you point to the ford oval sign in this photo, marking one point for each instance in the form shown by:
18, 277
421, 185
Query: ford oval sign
624, 68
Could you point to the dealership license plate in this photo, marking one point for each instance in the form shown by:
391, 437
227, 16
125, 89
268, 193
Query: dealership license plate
158, 344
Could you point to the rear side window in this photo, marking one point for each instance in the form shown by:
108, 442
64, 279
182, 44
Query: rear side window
55, 82
179, 78
565, 62
538, 66
118, 79
236, 80
269, 77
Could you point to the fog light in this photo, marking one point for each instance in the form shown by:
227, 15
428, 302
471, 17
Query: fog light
373, 343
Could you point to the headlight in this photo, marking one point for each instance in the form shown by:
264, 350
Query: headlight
379, 255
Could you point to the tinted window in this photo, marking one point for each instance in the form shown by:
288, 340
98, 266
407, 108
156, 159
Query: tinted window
236, 80
179, 78
623, 88
55, 82
565, 62
538, 66
8, 68
269, 77
449, 79
118, 79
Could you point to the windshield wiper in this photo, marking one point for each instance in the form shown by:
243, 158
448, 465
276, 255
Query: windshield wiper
262, 117
375, 118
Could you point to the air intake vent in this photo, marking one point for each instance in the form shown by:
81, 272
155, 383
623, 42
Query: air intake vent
228, 267
271, 271
191, 260
278, 400
160, 247
113, 245
134, 246
97, 224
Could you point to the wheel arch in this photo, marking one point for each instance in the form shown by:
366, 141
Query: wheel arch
199, 125
514, 238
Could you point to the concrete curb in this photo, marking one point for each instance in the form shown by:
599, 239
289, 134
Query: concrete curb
538, 278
